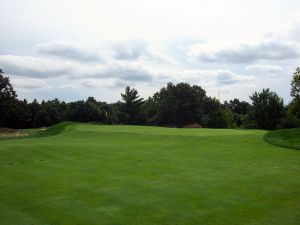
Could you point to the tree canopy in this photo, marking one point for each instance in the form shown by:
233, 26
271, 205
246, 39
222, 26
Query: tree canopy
268, 109
180, 104
295, 90
7, 92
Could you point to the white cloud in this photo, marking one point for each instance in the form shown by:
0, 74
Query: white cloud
68, 86
115, 73
100, 83
128, 61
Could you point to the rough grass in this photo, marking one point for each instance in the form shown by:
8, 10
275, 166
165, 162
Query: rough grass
126, 175
6, 133
289, 138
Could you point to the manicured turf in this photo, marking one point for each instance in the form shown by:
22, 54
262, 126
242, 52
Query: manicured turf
289, 138
91, 174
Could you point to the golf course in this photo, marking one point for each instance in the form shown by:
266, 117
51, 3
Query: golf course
86, 174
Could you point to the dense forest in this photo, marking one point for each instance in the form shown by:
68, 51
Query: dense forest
176, 105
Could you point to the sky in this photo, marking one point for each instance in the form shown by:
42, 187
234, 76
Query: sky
73, 49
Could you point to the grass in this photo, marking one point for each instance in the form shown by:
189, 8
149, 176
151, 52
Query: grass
289, 138
126, 175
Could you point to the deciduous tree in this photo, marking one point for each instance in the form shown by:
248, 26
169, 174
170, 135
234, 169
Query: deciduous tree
295, 91
268, 109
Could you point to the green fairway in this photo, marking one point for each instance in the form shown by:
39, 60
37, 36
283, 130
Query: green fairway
132, 175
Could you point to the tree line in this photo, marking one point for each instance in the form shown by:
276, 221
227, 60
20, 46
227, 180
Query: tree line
176, 105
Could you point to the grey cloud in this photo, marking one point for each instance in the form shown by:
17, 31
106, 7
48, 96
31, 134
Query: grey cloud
227, 77
96, 83
126, 72
33, 67
110, 75
246, 53
67, 51
137, 49
135, 73
129, 50
267, 69
132, 73
27, 66
90, 83
215, 77
159, 58
29, 83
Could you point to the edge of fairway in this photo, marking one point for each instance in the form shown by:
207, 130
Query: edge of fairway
287, 138
40, 132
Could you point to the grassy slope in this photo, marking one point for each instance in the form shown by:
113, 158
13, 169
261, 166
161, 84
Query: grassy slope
91, 174
289, 138
35, 133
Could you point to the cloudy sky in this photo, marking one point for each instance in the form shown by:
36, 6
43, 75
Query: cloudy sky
72, 49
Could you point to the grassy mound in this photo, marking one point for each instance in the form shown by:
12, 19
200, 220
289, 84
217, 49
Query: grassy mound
6, 133
289, 138
50, 131
131, 175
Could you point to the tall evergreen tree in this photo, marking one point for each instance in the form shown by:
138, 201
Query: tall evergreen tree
131, 106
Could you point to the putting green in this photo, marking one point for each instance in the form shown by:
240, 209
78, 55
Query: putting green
126, 175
